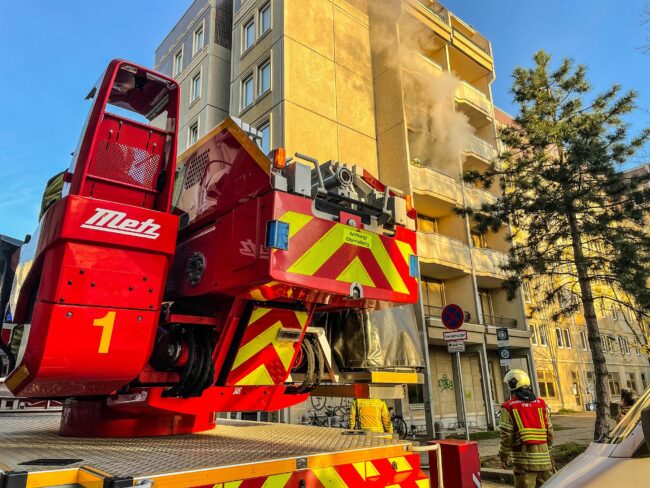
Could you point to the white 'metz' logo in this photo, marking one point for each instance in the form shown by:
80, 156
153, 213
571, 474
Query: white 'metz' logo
117, 223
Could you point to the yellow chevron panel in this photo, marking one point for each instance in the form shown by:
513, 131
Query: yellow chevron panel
401, 464
360, 469
277, 480
296, 221
355, 272
371, 471
255, 345
329, 477
259, 376
423, 483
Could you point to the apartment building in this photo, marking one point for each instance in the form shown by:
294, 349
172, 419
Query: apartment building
196, 52
401, 88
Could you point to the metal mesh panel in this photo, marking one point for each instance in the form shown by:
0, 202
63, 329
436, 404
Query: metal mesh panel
196, 169
125, 164
25, 437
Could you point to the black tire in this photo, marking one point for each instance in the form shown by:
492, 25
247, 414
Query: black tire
399, 426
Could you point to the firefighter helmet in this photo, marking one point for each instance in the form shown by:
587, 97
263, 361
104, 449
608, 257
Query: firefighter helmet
516, 378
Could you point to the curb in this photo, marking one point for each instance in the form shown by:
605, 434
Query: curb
499, 475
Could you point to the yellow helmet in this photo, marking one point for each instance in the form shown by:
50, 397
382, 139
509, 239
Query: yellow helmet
516, 378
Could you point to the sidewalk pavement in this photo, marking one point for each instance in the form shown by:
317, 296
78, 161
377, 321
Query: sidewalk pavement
569, 428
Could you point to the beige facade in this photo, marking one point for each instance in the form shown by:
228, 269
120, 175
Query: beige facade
401, 88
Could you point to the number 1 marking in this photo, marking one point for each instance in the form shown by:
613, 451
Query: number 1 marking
107, 322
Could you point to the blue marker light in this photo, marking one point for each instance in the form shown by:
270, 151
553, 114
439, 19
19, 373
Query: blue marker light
413, 266
277, 235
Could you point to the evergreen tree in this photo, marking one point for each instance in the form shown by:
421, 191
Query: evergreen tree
578, 224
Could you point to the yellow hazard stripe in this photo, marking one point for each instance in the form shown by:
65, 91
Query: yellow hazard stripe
259, 376
329, 477
323, 249
400, 464
296, 221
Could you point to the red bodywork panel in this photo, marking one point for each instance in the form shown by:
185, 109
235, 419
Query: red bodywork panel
237, 310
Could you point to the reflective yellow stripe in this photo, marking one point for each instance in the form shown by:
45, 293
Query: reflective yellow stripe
400, 464
277, 480
518, 421
323, 249
296, 221
259, 376
329, 477
355, 272
541, 418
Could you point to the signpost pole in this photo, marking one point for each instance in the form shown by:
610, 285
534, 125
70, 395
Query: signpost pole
462, 394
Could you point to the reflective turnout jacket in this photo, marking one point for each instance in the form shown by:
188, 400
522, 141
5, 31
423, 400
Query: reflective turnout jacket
526, 434
370, 415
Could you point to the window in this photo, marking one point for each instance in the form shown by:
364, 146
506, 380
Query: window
195, 91
433, 296
533, 335
264, 78
607, 343
248, 35
416, 394
624, 345
193, 134
583, 340
543, 335
428, 225
526, 288
614, 383
178, 63
558, 337
546, 384
486, 305
614, 313
567, 339
644, 383
478, 240
265, 18
265, 129
630, 382
247, 92
198, 40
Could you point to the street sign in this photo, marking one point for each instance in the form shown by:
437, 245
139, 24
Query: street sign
453, 347
502, 334
455, 335
505, 356
452, 316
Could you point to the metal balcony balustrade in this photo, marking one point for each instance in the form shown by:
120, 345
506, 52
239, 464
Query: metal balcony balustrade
434, 311
498, 321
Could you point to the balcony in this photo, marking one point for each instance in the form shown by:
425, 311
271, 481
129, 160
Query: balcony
481, 149
435, 312
488, 262
433, 183
443, 250
466, 93
476, 197
436, 9
497, 321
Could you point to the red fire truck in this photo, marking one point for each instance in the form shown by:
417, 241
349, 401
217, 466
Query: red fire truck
153, 295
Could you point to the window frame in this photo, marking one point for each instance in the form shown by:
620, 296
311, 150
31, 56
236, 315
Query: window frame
584, 340
195, 48
567, 339
260, 16
179, 56
193, 95
525, 287
543, 337
559, 340
533, 335
266, 124
245, 79
244, 46
196, 124
260, 67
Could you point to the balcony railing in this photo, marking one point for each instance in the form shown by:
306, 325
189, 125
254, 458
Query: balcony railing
432, 182
475, 197
489, 261
436, 9
476, 97
497, 321
481, 148
444, 250
478, 40
434, 311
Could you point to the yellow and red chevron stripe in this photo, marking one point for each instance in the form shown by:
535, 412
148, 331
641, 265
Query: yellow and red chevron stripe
398, 472
330, 252
261, 358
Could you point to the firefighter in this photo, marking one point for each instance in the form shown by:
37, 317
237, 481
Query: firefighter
370, 414
526, 432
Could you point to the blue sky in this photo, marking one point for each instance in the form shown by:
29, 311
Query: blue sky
55, 51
